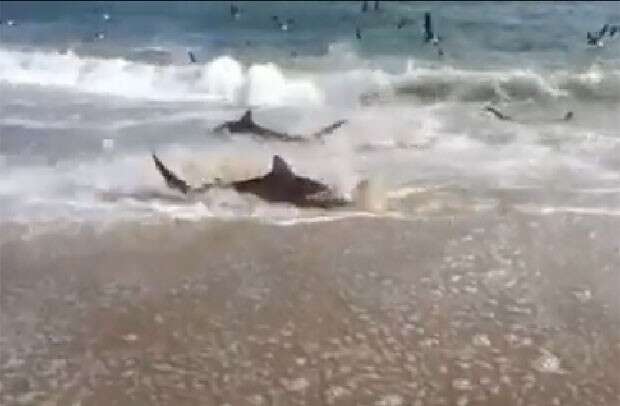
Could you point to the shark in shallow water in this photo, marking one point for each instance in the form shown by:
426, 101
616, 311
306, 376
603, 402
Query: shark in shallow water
247, 125
280, 185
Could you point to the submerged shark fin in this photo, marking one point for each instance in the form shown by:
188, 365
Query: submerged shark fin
172, 180
279, 167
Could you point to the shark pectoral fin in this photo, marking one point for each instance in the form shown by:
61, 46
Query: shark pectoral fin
172, 180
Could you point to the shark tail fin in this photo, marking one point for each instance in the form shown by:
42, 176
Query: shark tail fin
329, 129
172, 180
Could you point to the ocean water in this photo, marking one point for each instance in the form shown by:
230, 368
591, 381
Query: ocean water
483, 269
65, 92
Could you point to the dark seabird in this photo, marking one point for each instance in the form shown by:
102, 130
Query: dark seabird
595, 39
428, 28
498, 113
234, 11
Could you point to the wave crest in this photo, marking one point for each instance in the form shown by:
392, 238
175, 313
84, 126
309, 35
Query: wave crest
223, 79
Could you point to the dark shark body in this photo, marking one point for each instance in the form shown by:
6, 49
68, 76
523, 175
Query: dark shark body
246, 125
280, 185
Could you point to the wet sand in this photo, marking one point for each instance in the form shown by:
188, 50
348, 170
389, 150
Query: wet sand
488, 309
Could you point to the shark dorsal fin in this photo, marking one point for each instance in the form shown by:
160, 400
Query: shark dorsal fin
247, 117
279, 167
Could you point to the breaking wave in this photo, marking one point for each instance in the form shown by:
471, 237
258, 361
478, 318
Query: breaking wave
448, 83
226, 80
223, 79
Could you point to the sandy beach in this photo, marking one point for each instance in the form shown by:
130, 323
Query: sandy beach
491, 309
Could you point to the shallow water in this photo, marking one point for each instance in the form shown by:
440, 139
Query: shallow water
482, 269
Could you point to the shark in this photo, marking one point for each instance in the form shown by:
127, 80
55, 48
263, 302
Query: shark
247, 125
280, 185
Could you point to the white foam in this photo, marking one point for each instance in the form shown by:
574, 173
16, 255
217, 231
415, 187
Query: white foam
545, 210
37, 124
508, 84
107, 144
267, 86
226, 80
333, 217
406, 191
222, 80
